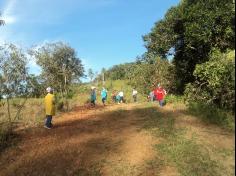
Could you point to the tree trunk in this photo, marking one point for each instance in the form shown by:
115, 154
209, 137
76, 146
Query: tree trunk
9, 114
20, 108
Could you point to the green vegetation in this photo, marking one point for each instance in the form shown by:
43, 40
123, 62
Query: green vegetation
213, 115
190, 52
176, 149
215, 82
189, 31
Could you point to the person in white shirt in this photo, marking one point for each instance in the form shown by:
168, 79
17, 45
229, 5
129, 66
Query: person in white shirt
121, 95
134, 94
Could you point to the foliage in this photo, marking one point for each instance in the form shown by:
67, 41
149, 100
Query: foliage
91, 74
13, 79
60, 65
118, 72
13, 70
191, 29
145, 75
35, 87
215, 81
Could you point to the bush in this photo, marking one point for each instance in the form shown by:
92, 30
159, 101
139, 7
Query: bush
60, 105
170, 98
215, 82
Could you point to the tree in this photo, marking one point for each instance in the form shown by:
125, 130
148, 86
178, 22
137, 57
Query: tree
35, 86
146, 76
91, 74
13, 79
60, 65
192, 29
215, 81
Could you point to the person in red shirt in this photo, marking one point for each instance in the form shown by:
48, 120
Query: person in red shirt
159, 94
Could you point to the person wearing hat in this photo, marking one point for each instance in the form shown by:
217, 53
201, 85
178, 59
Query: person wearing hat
93, 96
49, 101
159, 94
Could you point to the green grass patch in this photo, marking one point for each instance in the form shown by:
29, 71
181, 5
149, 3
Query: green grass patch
189, 158
186, 155
213, 115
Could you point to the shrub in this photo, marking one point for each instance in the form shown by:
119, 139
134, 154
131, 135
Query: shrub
215, 82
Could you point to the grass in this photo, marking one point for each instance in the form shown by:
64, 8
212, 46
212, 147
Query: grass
188, 156
213, 115
185, 154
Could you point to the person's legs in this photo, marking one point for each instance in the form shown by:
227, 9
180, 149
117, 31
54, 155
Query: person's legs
93, 102
161, 102
48, 122
135, 98
103, 101
121, 99
152, 98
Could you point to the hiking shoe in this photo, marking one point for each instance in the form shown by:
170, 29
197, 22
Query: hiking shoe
47, 127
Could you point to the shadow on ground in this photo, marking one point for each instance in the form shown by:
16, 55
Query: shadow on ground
80, 146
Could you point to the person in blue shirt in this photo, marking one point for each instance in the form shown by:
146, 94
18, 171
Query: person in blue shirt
104, 95
118, 98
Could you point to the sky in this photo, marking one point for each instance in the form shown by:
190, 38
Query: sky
103, 32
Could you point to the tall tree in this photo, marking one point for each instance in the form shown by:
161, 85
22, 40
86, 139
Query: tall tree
60, 65
91, 74
191, 29
13, 82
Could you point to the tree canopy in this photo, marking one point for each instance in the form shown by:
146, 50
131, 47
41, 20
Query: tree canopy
60, 65
192, 29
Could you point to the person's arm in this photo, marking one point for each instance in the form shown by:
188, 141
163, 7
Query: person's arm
164, 91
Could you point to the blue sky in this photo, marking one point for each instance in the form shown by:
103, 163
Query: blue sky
103, 32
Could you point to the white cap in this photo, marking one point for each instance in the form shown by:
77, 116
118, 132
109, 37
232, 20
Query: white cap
93, 87
49, 89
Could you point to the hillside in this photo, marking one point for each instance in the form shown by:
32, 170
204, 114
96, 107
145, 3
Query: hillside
126, 139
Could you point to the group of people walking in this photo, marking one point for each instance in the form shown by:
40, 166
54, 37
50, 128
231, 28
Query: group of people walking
116, 96
157, 94
93, 96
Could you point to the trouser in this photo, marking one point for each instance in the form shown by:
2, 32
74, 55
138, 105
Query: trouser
161, 102
135, 98
93, 102
121, 99
48, 121
103, 100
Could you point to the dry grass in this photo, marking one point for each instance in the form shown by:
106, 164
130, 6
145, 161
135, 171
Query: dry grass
126, 140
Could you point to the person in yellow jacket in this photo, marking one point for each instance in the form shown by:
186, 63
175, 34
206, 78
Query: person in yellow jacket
49, 101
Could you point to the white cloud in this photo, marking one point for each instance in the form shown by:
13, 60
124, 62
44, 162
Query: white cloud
47, 11
8, 12
26, 18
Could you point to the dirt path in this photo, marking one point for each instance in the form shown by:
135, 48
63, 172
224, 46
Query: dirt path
82, 143
106, 141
